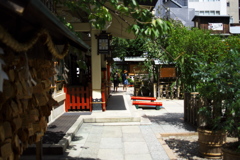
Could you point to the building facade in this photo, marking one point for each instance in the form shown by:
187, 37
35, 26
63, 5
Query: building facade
185, 10
175, 9
208, 7
233, 10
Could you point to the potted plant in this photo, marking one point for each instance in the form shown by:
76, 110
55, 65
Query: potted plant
206, 65
231, 66
219, 86
211, 133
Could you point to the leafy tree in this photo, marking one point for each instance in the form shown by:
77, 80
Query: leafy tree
128, 47
189, 49
100, 12
119, 47
138, 47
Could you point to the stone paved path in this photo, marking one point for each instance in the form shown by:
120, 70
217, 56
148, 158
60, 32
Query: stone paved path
126, 141
117, 142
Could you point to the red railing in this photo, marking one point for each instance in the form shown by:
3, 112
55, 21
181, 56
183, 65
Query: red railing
77, 98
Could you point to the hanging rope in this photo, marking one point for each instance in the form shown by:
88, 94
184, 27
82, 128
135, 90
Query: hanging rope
9, 41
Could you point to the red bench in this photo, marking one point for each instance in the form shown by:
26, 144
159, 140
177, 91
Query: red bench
158, 105
143, 98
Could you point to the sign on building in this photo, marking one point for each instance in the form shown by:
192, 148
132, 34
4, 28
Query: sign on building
215, 26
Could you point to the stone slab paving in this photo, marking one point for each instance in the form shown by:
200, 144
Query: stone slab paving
117, 142
126, 140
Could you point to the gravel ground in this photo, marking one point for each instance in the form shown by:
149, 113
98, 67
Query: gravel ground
186, 147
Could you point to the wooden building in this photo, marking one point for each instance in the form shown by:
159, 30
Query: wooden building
38, 56
32, 43
217, 24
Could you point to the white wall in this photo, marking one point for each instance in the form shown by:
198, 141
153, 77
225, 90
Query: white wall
223, 7
203, 6
233, 10
59, 110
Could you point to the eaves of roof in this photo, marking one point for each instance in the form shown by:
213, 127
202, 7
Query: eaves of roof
148, 3
212, 16
38, 15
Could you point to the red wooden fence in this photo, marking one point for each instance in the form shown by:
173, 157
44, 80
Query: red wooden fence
77, 98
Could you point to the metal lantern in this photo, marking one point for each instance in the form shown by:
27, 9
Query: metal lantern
104, 42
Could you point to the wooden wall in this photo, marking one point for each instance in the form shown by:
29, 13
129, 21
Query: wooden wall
202, 22
25, 102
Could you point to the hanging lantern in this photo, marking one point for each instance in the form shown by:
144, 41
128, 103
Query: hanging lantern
104, 42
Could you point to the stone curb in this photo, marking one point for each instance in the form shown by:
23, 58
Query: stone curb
179, 134
168, 151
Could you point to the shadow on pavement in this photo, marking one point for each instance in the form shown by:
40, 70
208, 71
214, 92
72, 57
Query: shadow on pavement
52, 137
173, 119
116, 102
58, 129
184, 148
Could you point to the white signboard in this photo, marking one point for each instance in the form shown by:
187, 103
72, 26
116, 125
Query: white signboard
215, 26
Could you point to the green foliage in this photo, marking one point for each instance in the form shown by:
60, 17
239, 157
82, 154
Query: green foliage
128, 48
130, 81
100, 12
189, 49
220, 82
68, 25
208, 64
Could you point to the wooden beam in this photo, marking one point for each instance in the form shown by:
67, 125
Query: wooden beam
81, 27
39, 151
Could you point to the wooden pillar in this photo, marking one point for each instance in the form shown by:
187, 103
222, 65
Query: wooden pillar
96, 72
39, 150
109, 78
155, 90
186, 106
158, 89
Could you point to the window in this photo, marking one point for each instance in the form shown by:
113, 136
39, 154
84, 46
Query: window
212, 13
228, 4
196, 12
231, 20
207, 13
201, 13
217, 12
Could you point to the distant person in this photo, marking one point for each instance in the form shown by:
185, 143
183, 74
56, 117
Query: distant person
125, 80
115, 81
